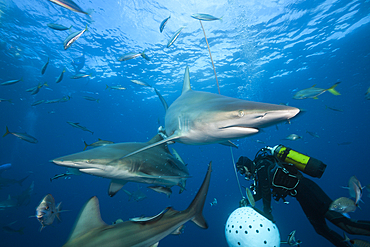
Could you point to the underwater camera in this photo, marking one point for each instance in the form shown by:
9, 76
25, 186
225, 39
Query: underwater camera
304, 163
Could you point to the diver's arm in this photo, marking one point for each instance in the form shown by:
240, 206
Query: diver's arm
265, 189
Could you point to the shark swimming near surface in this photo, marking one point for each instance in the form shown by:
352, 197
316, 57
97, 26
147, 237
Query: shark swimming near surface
200, 118
90, 229
155, 166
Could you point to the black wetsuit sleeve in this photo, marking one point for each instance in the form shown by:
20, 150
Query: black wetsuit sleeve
264, 188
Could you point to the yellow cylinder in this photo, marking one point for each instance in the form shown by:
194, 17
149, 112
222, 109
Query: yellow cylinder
304, 163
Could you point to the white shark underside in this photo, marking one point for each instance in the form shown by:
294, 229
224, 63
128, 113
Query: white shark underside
156, 166
199, 118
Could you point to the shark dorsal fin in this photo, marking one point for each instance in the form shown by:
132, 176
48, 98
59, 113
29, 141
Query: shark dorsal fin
158, 138
155, 139
186, 86
88, 219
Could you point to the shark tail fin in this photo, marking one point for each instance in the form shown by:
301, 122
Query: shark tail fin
7, 131
332, 89
196, 206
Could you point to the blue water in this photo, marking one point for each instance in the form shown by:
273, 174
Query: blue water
263, 51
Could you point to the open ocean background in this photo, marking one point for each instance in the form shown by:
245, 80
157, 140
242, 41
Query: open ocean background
263, 51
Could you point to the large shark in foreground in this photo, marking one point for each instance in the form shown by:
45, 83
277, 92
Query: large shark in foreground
155, 166
90, 230
199, 118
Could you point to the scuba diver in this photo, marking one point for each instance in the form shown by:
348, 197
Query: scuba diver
276, 173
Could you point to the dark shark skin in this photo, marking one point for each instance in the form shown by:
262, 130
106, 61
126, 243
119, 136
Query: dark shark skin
90, 229
155, 166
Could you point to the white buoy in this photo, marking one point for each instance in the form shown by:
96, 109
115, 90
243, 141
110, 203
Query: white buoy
245, 227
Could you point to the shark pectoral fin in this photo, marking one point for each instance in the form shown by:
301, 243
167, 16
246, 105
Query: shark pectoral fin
179, 230
229, 143
155, 245
88, 219
171, 138
115, 186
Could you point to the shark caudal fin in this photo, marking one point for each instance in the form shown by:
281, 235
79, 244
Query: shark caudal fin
196, 206
332, 89
88, 219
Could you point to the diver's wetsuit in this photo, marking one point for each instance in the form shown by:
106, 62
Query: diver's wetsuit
313, 200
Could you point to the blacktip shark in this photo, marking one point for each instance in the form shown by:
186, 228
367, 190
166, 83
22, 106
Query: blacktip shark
155, 166
200, 118
90, 229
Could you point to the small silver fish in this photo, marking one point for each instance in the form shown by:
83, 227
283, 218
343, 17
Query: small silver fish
44, 67
343, 205
11, 82
23, 136
293, 137
163, 23
355, 189
60, 77
78, 126
356, 242
80, 75
313, 92
313, 134
90, 98
141, 83
174, 37
133, 55
334, 109
72, 38
115, 87
38, 87
46, 211
38, 102
58, 27
56, 176
3, 100
291, 241
69, 4
205, 17
98, 143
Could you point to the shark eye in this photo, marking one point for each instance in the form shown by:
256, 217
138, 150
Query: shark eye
241, 113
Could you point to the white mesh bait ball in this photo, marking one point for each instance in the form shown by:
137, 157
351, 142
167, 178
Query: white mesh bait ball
245, 227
